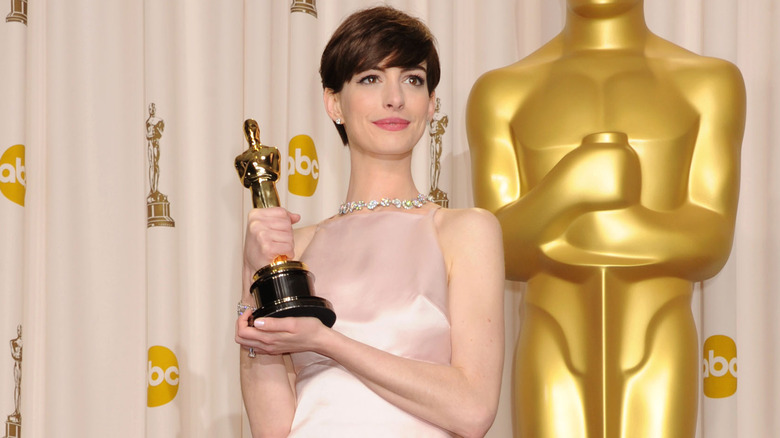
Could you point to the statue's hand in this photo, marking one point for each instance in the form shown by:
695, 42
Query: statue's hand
603, 173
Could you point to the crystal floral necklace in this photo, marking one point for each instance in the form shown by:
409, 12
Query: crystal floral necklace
406, 204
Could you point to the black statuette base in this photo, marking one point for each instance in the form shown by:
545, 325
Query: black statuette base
284, 289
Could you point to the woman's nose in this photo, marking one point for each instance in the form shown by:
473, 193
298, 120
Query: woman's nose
393, 95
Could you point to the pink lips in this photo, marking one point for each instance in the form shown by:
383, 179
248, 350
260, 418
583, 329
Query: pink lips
392, 124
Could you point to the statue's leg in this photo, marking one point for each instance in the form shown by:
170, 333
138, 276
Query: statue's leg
660, 394
549, 395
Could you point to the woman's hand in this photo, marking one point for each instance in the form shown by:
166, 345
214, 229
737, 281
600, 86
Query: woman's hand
269, 234
274, 336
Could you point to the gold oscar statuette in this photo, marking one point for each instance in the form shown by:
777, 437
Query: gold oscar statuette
283, 288
611, 158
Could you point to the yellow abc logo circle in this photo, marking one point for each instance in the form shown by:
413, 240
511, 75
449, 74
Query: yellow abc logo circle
303, 168
12, 174
719, 366
162, 376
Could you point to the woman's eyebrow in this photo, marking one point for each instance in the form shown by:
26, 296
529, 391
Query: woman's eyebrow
415, 67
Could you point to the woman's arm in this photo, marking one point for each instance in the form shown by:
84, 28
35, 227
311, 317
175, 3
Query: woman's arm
461, 397
266, 388
267, 381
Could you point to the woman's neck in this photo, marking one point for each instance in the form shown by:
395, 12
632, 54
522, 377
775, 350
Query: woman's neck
372, 178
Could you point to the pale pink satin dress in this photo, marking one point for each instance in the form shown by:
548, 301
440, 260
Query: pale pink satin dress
385, 275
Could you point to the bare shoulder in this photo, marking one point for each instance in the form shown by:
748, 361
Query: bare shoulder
460, 220
471, 242
468, 230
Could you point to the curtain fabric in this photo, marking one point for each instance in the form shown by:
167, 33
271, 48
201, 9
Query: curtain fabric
13, 175
121, 216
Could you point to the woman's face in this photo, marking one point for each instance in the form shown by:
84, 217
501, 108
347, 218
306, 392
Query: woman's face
384, 110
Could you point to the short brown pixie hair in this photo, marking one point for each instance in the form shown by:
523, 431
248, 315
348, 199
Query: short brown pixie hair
378, 36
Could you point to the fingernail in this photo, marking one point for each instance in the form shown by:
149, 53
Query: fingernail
259, 323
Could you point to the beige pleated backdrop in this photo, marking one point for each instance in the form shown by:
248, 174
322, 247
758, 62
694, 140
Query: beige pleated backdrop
121, 216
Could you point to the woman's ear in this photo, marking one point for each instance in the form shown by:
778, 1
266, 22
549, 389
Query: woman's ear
332, 104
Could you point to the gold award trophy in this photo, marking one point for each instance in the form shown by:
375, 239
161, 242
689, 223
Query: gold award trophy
283, 288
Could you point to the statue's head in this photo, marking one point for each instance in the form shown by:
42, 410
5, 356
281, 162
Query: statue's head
252, 132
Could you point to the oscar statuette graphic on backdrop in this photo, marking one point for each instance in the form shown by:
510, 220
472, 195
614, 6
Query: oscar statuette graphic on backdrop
305, 6
285, 287
158, 209
13, 424
18, 12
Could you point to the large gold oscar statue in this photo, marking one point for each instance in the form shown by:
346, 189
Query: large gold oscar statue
611, 158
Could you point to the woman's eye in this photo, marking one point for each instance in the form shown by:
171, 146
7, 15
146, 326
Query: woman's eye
370, 79
415, 80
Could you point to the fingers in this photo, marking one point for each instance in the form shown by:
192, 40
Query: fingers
247, 336
275, 325
262, 342
262, 331
269, 234
290, 324
243, 328
278, 335
244, 317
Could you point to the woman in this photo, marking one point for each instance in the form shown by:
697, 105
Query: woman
417, 348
